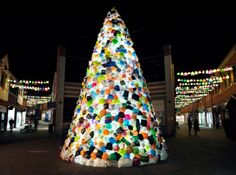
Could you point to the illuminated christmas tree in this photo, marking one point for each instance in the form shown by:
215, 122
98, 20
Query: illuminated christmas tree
114, 123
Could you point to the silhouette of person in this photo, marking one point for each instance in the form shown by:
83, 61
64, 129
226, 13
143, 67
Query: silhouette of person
11, 122
196, 126
189, 126
35, 124
36, 118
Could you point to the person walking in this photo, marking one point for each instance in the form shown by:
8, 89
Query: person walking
196, 126
11, 123
189, 125
37, 117
35, 124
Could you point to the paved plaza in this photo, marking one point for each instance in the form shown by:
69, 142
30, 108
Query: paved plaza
38, 154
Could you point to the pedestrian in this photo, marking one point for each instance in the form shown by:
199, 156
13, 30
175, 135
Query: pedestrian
35, 124
196, 126
37, 117
177, 125
11, 123
189, 126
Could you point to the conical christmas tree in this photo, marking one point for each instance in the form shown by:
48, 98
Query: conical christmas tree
114, 123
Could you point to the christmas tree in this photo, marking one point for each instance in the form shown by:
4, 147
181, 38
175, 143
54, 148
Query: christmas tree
114, 123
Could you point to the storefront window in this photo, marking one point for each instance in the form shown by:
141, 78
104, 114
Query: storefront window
201, 118
47, 116
209, 120
180, 119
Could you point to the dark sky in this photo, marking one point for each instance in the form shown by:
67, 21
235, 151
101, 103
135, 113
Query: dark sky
200, 35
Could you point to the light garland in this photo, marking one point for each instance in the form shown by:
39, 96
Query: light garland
187, 95
28, 82
191, 90
35, 88
194, 92
206, 72
178, 88
34, 100
36, 97
213, 79
184, 100
199, 84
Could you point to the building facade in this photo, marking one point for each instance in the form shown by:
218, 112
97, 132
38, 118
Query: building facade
210, 109
12, 103
4, 91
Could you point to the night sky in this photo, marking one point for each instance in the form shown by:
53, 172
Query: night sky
200, 35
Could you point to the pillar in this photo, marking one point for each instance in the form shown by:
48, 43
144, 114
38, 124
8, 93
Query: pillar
61, 60
170, 85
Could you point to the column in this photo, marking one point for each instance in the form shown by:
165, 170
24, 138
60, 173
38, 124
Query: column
61, 60
170, 85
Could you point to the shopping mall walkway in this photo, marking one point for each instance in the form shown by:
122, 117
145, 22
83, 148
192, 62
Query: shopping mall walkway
209, 153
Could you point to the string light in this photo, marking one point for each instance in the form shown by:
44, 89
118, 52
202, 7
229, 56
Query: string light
34, 88
34, 100
184, 100
208, 72
198, 84
190, 90
212, 79
29, 82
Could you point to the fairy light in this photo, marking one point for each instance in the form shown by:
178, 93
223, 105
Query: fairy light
33, 100
206, 72
34, 88
190, 90
33, 82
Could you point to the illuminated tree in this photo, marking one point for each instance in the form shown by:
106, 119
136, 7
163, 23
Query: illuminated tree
114, 123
